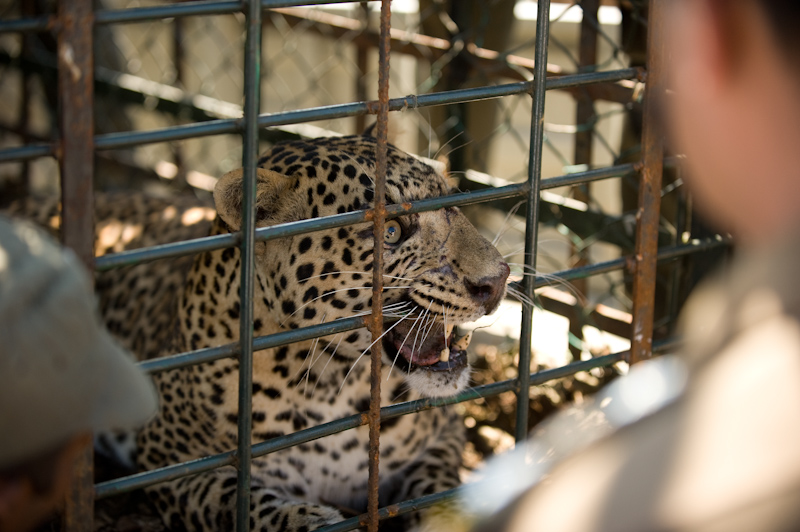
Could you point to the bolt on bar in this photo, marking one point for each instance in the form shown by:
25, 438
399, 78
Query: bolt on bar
532, 216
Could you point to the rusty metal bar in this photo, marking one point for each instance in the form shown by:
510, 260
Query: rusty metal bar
376, 325
532, 216
647, 216
76, 158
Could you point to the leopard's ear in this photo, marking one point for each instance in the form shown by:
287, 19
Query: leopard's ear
270, 186
371, 130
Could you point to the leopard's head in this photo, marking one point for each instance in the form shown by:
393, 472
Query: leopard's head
439, 271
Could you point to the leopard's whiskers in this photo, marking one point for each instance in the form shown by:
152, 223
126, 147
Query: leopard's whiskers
505, 226
416, 335
395, 324
312, 360
552, 279
522, 298
399, 349
429, 329
330, 357
329, 292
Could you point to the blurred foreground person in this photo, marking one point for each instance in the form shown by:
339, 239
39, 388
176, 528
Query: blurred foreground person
722, 450
62, 377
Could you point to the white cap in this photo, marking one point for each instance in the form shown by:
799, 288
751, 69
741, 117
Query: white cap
61, 373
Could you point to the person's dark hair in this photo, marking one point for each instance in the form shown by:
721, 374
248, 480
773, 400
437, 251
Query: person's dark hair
39, 470
784, 18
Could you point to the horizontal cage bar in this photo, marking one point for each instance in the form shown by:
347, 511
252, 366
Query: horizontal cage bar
110, 141
148, 478
346, 324
188, 247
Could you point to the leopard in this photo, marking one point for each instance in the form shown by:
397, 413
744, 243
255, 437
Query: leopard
440, 274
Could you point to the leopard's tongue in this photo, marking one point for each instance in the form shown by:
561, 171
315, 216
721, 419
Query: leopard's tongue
422, 348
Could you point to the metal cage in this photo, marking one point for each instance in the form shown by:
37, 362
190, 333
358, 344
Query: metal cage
75, 153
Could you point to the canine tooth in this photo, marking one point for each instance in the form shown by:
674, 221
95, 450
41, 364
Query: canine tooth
462, 343
444, 355
448, 330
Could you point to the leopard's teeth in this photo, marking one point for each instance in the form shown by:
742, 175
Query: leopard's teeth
462, 343
448, 330
444, 355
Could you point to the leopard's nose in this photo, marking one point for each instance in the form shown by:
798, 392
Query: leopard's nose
489, 290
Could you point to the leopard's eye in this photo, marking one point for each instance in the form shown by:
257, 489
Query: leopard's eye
392, 232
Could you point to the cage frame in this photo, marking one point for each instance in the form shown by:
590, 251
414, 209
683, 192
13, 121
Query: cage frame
76, 148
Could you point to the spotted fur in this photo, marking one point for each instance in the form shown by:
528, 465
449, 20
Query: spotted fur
438, 271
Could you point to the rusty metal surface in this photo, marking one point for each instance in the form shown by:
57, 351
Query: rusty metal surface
647, 216
76, 159
376, 325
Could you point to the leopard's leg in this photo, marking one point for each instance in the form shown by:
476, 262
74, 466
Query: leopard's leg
435, 470
207, 502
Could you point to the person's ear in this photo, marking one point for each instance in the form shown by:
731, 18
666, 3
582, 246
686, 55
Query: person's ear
728, 30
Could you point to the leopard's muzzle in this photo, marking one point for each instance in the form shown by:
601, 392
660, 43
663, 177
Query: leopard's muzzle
417, 348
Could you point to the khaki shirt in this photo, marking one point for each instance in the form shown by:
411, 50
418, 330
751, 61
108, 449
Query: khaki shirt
725, 456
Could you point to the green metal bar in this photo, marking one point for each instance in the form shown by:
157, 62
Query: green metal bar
347, 324
188, 247
427, 501
148, 478
128, 139
532, 217
252, 105
260, 343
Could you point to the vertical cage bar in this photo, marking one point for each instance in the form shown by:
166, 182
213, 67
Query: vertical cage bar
376, 324
252, 95
647, 216
179, 62
584, 112
532, 217
76, 160
362, 53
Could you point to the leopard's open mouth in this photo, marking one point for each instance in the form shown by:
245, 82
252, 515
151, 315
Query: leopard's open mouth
434, 350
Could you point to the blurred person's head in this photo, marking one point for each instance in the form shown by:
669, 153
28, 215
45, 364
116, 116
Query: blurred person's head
734, 69
62, 377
